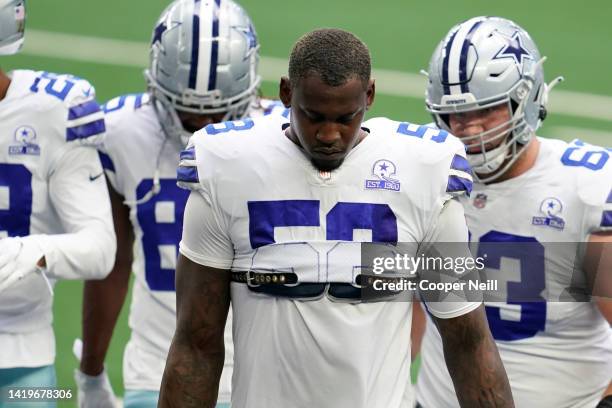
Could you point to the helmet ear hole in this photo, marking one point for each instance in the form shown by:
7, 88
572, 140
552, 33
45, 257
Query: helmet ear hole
543, 112
513, 106
446, 119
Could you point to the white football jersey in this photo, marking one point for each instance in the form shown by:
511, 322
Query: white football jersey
258, 203
51, 186
134, 149
556, 354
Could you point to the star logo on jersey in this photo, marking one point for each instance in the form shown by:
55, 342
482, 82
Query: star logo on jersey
383, 170
514, 49
551, 207
26, 137
251, 39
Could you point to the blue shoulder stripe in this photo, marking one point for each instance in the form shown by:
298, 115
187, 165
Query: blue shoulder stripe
457, 184
606, 219
609, 200
84, 109
107, 162
87, 130
187, 174
138, 101
460, 163
188, 154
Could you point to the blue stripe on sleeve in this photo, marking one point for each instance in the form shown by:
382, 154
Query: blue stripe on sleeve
187, 174
606, 219
86, 130
457, 184
84, 109
138, 101
460, 163
188, 154
107, 162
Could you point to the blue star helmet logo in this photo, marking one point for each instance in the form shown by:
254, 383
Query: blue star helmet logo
551, 207
514, 49
25, 135
251, 38
158, 32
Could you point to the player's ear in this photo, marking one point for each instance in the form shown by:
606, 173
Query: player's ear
284, 91
371, 91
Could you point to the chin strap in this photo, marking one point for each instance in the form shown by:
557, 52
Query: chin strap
156, 184
150, 194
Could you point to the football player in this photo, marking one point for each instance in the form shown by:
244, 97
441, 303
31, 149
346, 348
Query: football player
276, 215
203, 69
55, 219
486, 86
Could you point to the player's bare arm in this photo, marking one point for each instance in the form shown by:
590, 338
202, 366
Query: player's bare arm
195, 360
103, 300
598, 267
473, 361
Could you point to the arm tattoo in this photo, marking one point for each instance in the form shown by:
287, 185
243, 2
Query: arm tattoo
473, 361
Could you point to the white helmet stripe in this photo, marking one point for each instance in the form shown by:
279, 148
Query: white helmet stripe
209, 48
455, 55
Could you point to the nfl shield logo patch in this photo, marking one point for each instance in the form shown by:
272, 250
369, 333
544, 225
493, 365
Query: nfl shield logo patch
480, 200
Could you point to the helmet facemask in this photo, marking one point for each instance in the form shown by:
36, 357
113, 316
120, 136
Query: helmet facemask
492, 152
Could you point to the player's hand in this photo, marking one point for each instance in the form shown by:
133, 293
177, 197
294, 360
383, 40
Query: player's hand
94, 391
19, 257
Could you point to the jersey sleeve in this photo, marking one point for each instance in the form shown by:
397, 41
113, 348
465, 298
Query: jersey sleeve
71, 115
204, 238
594, 186
79, 195
187, 175
459, 174
84, 119
449, 236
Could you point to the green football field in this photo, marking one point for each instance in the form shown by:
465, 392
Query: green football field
106, 42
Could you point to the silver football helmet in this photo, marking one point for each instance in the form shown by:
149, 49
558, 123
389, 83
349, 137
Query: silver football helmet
481, 63
12, 25
203, 60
